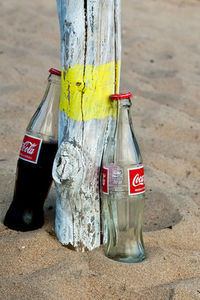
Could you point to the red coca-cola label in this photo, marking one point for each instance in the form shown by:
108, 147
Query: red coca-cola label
136, 181
30, 148
105, 180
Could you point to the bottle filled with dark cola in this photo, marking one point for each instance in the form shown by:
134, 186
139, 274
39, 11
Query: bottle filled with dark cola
34, 166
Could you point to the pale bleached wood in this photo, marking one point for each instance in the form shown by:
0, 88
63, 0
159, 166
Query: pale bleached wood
90, 35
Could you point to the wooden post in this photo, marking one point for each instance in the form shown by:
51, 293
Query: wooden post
90, 53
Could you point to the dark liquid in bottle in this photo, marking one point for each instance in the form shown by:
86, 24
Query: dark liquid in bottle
33, 182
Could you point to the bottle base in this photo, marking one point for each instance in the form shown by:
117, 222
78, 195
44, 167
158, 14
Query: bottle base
128, 259
25, 220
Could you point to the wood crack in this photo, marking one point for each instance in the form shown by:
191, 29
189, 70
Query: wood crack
84, 65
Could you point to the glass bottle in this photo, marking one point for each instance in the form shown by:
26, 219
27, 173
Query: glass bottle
34, 166
123, 190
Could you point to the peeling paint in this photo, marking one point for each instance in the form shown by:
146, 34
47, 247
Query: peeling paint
89, 39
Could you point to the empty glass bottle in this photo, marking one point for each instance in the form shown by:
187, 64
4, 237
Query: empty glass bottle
123, 190
34, 166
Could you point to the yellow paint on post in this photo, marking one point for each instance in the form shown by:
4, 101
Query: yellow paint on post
85, 91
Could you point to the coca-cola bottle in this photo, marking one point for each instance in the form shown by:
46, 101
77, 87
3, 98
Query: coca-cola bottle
123, 189
34, 166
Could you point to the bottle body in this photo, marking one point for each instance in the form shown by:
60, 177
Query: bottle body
123, 214
32, 184
34, 166
123, 193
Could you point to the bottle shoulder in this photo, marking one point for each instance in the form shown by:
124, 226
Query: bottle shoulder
45, 138
123, 154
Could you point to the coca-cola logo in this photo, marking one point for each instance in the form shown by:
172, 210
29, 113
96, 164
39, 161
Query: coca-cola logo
28, 147
105, 180
138, 180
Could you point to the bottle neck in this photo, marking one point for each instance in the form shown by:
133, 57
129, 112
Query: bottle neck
127, 149
124, 113
126, 103
54, 79
44, 122
52, 93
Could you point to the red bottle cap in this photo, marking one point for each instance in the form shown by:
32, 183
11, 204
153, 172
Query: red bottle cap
55, 72
121, 96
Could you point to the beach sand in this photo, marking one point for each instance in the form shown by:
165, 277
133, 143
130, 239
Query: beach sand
161, 66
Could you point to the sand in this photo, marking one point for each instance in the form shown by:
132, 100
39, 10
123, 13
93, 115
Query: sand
161, 65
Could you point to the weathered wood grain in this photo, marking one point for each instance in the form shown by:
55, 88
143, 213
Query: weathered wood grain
90, 53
